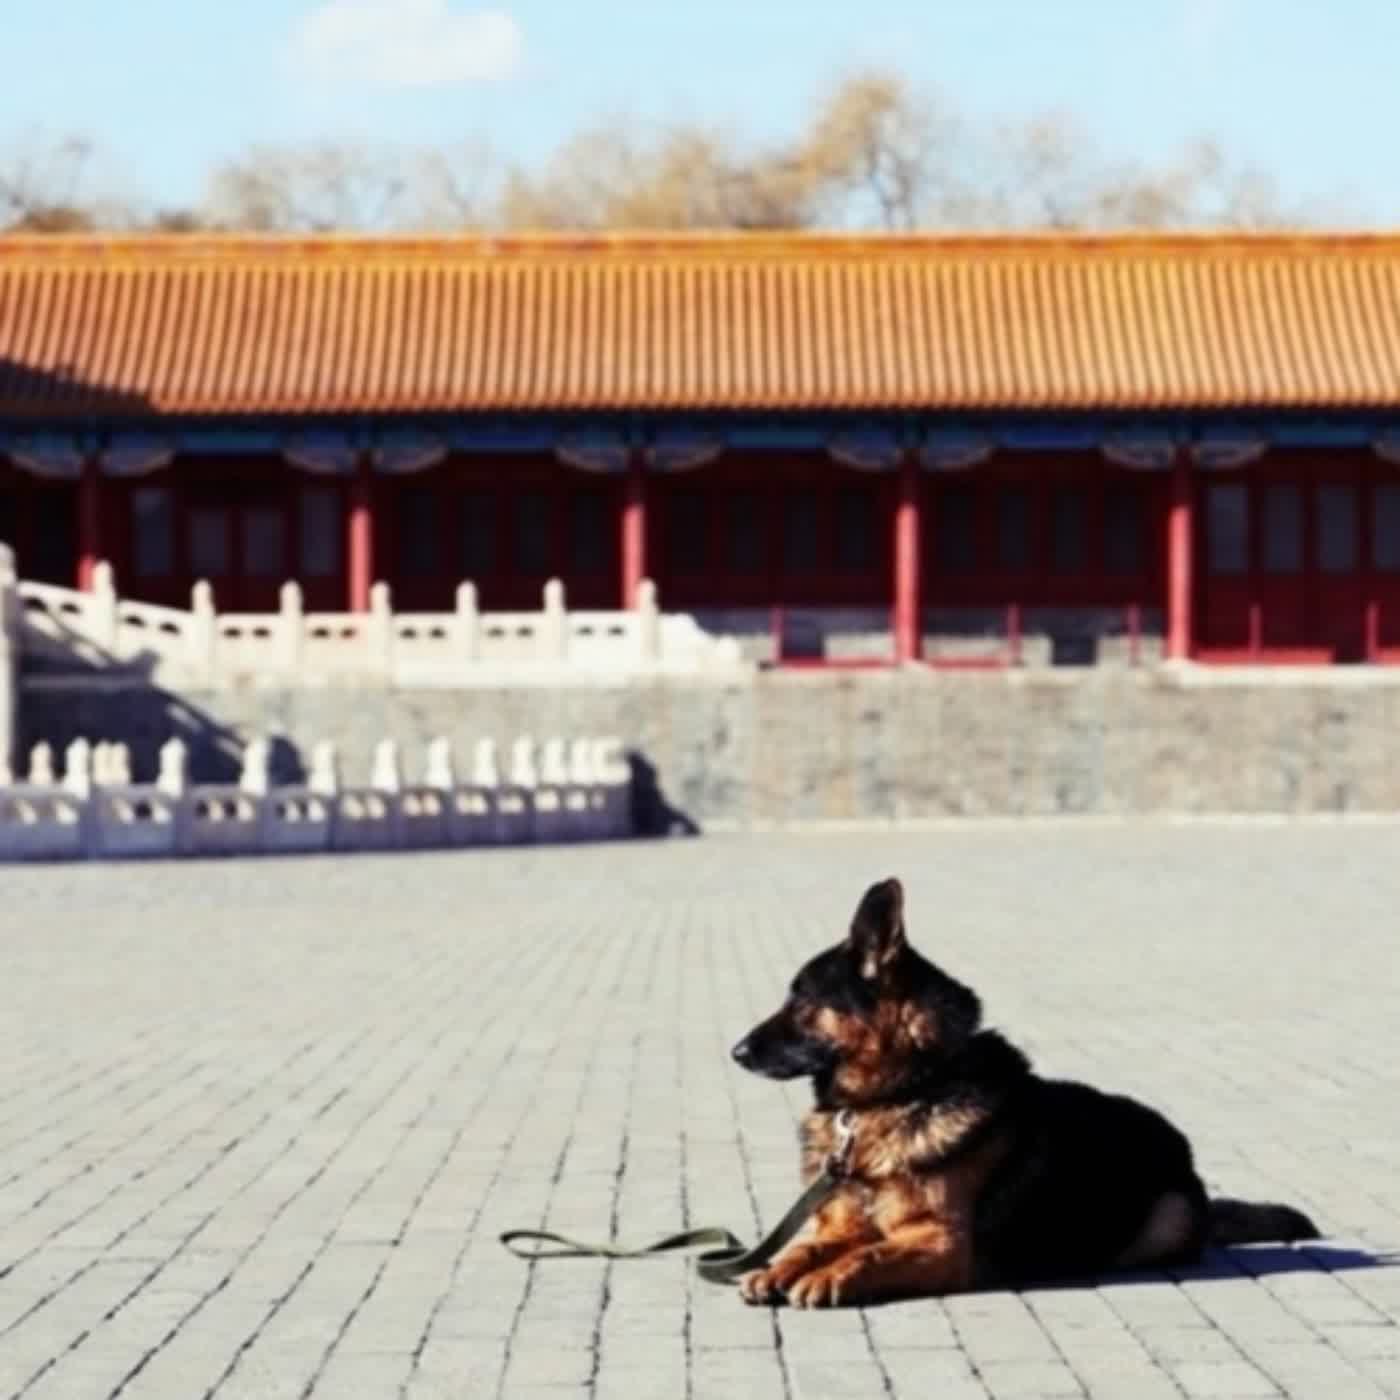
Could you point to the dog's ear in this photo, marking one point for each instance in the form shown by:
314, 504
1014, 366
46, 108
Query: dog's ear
877, 930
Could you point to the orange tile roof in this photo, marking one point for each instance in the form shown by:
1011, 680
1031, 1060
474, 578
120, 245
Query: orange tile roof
237, 325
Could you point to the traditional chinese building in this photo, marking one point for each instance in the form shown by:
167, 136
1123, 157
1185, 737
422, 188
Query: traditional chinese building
875, 447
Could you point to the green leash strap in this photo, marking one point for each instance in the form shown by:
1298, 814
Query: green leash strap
727, 1259
721, 1264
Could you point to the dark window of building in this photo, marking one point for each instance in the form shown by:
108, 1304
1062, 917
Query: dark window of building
418, 532
687, 531
856, 527
152, 532
1069, 509
800, 525
55, 541
955, 530
1283, 530
1227, 529
1385, 541
1123, 551
1337, 529
1014, 529
589, 527
533, 554
209, 543
478, 536
322, 532
264, 543
745, 552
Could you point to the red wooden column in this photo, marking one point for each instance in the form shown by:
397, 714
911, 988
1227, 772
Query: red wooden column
1180, 530
908, 564
360, 536
634, 528
89, 521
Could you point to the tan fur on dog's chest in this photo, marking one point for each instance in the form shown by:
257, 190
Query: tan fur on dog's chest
905, 1168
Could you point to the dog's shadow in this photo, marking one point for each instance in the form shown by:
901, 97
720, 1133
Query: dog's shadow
1249, 1261
1252, 1261
1268, 1261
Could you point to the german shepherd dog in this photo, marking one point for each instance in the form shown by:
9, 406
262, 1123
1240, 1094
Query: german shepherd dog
964, 1169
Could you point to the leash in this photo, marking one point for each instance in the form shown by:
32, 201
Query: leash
727, 1258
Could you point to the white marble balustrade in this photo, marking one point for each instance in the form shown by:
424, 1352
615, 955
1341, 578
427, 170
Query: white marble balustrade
98, 631
577, 789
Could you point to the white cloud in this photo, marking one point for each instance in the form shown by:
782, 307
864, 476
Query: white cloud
407, 43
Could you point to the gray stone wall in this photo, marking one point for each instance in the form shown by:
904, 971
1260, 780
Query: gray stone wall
830, 746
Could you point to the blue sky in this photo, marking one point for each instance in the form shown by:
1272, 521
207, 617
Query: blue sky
1305, 90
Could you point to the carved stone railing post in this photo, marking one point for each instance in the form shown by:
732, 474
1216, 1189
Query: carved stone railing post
41, 771
173, 782
106, 765
173, 776
515, 799
581, 762
386, 771
554, 762
105, 622
439, 772
648, 622
485, 771
204, 633
468, 622
255, 777
77, 768
523, 773
323, 777
291, 627
551, 819
554, 634
379, 624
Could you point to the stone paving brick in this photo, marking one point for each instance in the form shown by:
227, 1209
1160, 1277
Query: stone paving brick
1222, 1378
914, 1374
260, 1126
835, 1380
1009, 1380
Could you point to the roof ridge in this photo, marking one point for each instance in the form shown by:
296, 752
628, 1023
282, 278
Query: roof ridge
795, 244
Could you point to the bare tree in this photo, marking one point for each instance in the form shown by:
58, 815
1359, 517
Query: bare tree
317, 189
177, 221
46, 186
687, 177
883, 153
1047, 173
583, 185
876, 152
452, 188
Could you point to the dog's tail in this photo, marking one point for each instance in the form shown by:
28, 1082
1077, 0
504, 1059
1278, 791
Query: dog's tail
1247, 1222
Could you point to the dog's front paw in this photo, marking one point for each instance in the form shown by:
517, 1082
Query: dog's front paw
760, 1286
831, 1287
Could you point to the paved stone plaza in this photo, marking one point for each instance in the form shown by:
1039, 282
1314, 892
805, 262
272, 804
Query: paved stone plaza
260, 1124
